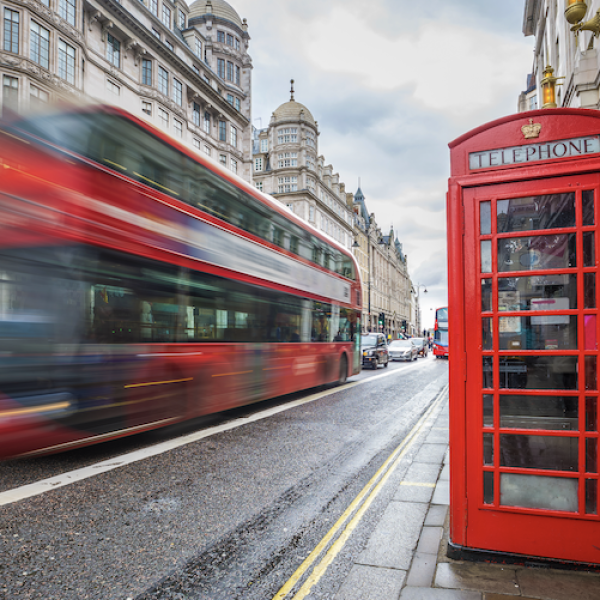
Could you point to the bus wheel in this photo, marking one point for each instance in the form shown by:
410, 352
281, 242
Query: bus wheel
343, 370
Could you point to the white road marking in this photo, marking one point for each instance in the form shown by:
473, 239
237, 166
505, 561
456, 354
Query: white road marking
39, 487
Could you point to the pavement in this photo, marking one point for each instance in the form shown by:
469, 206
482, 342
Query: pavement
405, 556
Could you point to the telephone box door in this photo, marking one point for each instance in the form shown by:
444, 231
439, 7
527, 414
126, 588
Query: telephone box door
532, 367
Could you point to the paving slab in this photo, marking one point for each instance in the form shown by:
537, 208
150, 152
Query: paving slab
422, 472
441, 495
475, 576
553, 584
437, 436
431, 453
422, 570
430, 540
419, 593
395, 538
371, 583
436, 517
414, 492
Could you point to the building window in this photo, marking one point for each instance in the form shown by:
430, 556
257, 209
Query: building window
147, 108
229, 71
166, 16
229, 40
287, 159
533, 102
146, 71
258, 164
113, 88
66, 10
205, 77
198, 48
223, 159
222, 131
66, 62
177, 92
310, 139
39, 50
264, 145
163, 81
207, 150
237, 44
163, 115
197, 143
287, 184
156, 33
289, 135
233, 136
258, 185
10, 93
169, 45
196, 114
178, 126
221, 36
237, 75
310, 184
38, 97
11, 31
221, 68
181, 19
154, 7
113, 50
311, 214
207, 122
230, 99
238, 104
234, 165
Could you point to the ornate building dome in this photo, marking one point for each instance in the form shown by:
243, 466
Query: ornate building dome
293, 111
218, 8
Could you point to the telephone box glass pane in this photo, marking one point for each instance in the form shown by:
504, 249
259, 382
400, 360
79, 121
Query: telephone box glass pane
553, 332
528, 293
557, 413
488, 487
591, 496
487, 340
488, 410
591, 373
538, 372
488, 372
591, 455
591, 414
589, 290
488, 449
537, 252
486, 256
589, 249
485, 218
539, 452
536, 212
486, 295
535, 491
587, 201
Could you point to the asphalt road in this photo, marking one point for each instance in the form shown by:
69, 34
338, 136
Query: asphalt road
229, 516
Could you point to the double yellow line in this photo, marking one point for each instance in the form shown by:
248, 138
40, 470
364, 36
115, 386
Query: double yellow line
353, 514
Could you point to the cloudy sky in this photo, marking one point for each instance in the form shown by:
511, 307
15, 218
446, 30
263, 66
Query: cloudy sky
391, 83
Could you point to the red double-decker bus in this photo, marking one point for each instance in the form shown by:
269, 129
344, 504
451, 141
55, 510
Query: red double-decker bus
141, 284
440, 333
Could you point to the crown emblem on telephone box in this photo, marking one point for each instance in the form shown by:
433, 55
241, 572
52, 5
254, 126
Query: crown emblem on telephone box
532, 130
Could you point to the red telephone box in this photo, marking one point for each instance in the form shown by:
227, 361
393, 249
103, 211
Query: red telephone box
523, 214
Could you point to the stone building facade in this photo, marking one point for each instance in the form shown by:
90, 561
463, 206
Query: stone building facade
185, 69
387, 287
574, 57
288, 166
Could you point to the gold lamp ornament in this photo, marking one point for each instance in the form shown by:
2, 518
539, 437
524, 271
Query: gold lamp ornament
575, 12
548, 85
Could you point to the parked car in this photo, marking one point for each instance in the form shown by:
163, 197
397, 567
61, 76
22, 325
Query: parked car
421, 345
374, 350
403, 350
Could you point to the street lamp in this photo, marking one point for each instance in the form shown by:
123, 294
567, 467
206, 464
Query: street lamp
417, 295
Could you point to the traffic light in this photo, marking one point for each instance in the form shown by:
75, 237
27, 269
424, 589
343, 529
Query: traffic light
404, 324
381, 319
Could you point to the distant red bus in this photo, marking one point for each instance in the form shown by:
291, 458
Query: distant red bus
440, 333
141, 284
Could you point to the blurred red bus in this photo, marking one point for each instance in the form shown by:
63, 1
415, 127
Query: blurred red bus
141, 284
440, 333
